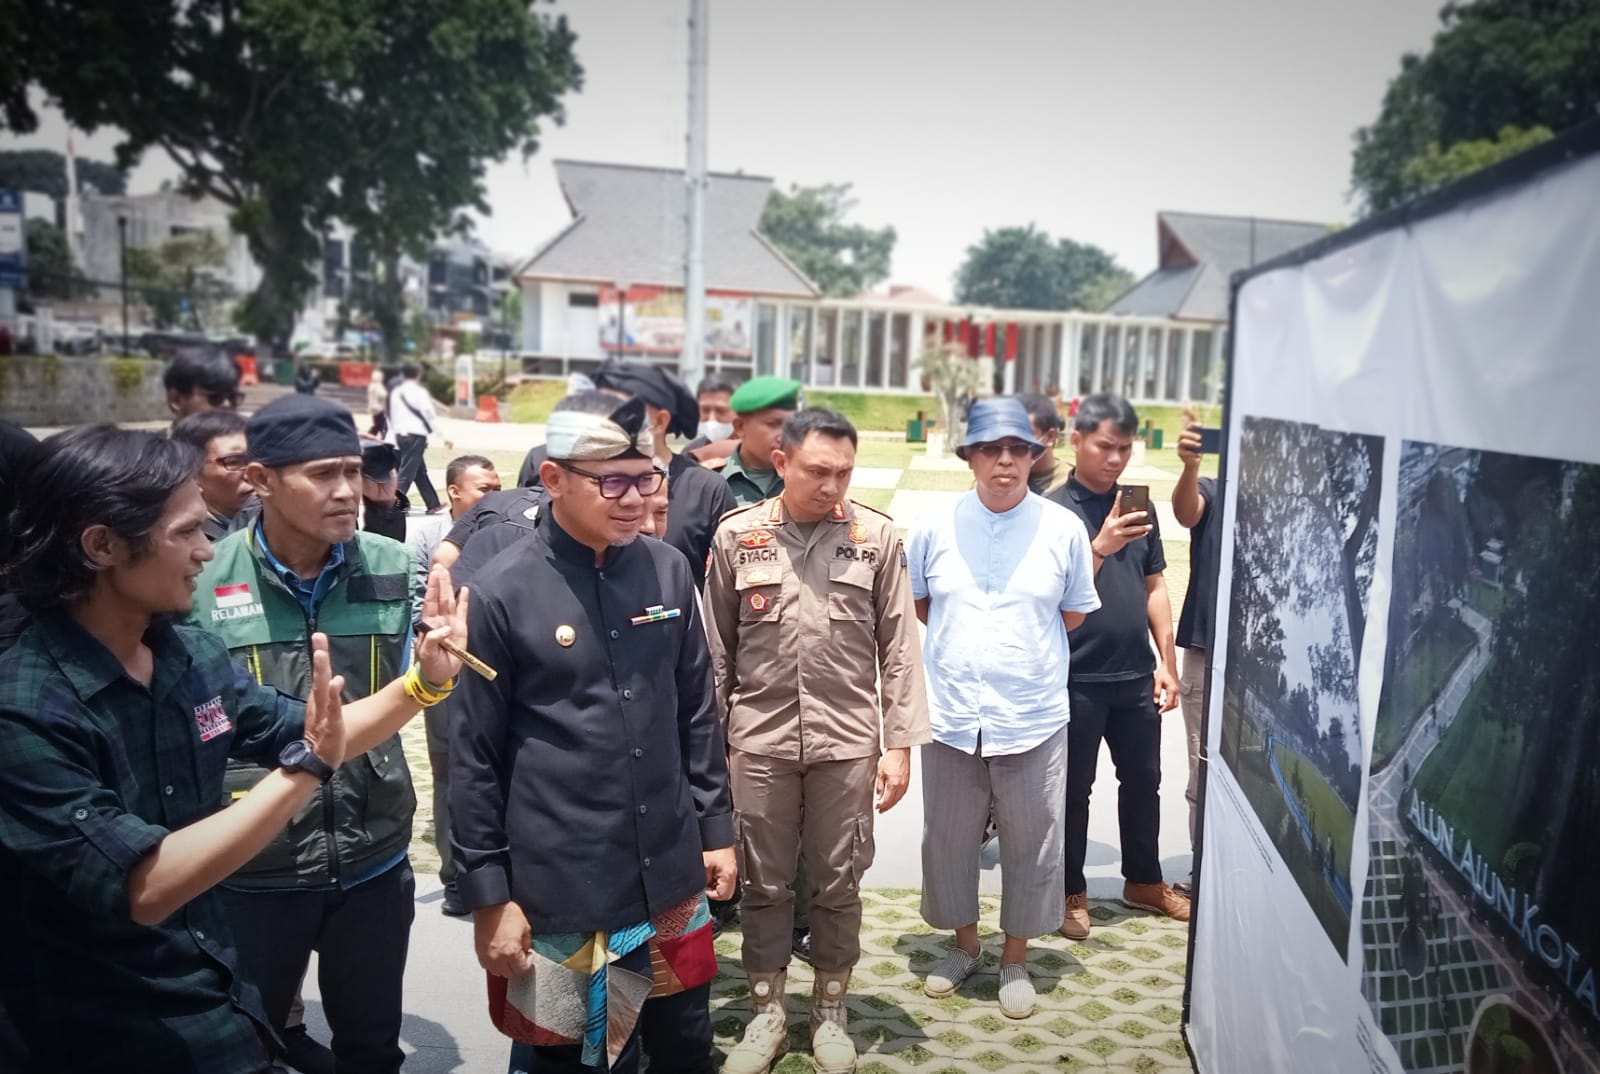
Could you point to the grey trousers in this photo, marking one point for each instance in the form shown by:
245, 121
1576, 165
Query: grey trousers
1027, 794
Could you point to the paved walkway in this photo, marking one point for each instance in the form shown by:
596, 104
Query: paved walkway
1112, 1003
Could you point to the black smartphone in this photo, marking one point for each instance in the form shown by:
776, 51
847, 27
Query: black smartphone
1210, 441
1135, 498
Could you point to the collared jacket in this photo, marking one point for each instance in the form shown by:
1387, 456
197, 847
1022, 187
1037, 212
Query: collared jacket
746, 489
363, 816
814, 638
587, 778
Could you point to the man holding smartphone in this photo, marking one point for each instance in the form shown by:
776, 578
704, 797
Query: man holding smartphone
1193, 499
1118, 686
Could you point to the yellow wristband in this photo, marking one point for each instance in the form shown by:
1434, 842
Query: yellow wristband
423, 692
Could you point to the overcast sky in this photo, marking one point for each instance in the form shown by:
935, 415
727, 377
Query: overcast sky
1083, 117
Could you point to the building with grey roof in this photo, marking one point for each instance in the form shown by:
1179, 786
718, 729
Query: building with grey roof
1199, 253
611, 281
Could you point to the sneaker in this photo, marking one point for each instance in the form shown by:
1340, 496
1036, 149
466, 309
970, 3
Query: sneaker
1016, 991
801, 945
1075, 922
1158, 899
956, 966
305, 1053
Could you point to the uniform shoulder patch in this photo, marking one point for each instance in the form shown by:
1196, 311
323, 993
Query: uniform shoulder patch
872, 510
730, 515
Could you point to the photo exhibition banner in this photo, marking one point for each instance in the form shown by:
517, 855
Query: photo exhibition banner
1401, 850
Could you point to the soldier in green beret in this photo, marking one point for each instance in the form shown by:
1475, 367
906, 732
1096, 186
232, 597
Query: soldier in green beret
760, 407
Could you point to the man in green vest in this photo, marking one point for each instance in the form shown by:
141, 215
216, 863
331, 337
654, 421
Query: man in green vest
337, 880
760, 407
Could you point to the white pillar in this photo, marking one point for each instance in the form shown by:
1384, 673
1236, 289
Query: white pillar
1071, 345
780, 341
1186, 363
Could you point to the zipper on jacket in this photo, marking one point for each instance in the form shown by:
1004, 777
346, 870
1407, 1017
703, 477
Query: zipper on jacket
329, 820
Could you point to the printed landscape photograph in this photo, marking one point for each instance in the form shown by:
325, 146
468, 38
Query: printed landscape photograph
1479, 918
1305, 545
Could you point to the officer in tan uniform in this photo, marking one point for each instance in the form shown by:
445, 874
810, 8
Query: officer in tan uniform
809, 608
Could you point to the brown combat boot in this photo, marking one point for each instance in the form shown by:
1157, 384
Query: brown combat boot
766, 1038
832, 1050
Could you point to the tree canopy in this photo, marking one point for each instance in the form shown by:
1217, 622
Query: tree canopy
809, 225
297, 113
1500, 75
1024, 268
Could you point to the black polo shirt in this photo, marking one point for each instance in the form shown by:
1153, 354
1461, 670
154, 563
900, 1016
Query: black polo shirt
1113, 644
1200, 599
587, 778
490, 526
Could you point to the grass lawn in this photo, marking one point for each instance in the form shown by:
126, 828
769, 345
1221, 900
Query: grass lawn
1330, 817
532, 400
1249, 766
1445, 641
1488, 600
882, 413
1469, 774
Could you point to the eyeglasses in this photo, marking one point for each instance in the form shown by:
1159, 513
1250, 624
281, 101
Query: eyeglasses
994, 449
237, 461
616, 486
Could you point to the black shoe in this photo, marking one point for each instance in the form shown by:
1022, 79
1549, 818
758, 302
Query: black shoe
724, 915
452, 906
802, 945
306, 1055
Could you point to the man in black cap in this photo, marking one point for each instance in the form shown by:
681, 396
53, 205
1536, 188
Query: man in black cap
588, 781
699, 498
338, 880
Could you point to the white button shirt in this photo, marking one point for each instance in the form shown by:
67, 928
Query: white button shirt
996, 652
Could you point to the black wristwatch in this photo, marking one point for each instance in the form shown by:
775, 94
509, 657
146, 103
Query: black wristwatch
298, 756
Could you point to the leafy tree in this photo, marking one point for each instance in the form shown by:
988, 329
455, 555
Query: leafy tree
1499, 76
297, 113
809, 225
181, 270
1023, 268
50, 272
45, 171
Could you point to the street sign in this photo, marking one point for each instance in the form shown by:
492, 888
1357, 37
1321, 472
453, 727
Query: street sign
13, 241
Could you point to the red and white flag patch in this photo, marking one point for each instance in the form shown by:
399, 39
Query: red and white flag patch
233, 596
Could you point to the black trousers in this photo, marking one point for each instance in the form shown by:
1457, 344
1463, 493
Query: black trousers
436, 721
360, 937
1124, 714
413, 467
675, 1032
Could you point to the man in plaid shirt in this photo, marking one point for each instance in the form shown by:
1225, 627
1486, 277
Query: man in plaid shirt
115, 727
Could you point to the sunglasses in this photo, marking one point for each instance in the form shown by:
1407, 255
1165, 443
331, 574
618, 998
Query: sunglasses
994, 449
616, 486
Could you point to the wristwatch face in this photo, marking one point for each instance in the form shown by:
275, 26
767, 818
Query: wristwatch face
297, 756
